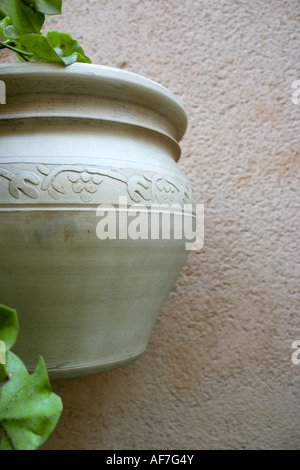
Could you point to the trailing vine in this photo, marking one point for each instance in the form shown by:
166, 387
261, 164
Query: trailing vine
21, 22
29, 410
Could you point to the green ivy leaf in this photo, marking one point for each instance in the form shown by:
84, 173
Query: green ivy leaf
4, 376
56, 47
29, 409
23, 17
39, 46
8, 326
6, 444
67, 48
7, 30
49, 7
8, 335
21, 31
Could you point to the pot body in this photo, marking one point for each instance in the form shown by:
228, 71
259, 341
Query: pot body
72, 140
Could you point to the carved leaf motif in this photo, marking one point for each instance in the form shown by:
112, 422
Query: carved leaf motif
30, 191
43, 169
53, 193
163, 189
6, 174
59, 187
20, 183
158, 188
187, 195
139, 188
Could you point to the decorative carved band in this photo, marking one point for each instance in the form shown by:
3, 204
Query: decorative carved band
84, 182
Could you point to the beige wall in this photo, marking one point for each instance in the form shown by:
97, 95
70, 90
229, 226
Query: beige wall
218, 371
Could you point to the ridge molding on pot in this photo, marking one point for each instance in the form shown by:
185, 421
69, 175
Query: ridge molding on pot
72, 139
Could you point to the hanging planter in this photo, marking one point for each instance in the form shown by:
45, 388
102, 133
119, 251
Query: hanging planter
73, 141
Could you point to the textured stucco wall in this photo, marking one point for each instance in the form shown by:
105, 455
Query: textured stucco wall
218, 371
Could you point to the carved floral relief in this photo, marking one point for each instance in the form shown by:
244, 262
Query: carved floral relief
85, 181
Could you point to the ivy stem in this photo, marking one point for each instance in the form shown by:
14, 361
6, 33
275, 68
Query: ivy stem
8, 45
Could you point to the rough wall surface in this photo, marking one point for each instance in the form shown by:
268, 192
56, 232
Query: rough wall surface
218, 370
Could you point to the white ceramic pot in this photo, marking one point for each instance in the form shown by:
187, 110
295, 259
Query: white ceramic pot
72, 139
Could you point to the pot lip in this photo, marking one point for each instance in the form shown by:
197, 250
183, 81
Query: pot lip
144, 89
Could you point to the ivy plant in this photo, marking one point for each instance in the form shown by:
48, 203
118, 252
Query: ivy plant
29, 410
21, 22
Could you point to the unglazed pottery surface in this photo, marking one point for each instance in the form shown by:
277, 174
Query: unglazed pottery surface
72, 139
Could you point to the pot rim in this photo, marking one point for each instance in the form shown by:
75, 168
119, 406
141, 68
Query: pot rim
92, 79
